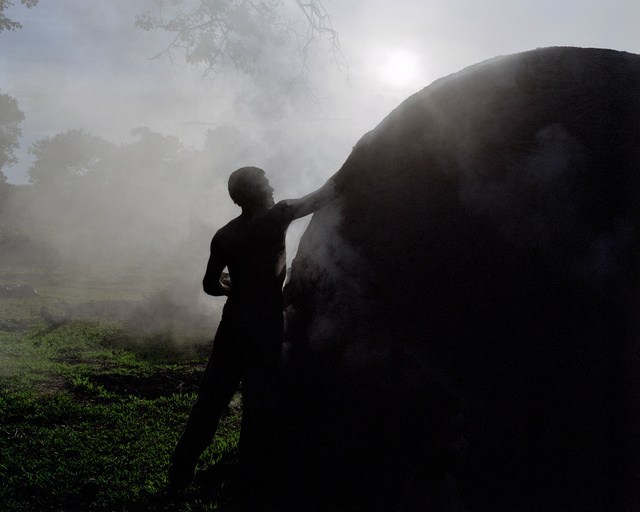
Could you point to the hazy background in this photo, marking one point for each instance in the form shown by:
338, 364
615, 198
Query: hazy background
167, 135
83, 64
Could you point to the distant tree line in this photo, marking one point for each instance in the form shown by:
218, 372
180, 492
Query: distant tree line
151, 199
89, 197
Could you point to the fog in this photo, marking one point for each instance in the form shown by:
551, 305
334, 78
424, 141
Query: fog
152, 191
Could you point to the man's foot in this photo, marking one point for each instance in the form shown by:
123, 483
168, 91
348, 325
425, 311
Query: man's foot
180, 477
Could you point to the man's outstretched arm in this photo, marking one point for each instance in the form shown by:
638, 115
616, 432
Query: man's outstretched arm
313, 201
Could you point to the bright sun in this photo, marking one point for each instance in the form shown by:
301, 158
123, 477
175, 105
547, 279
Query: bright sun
399, 68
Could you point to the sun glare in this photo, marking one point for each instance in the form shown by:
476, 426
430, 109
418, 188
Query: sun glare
399, 68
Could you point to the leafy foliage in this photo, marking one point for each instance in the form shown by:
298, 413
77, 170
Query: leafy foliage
10, 118
242, 32
8, 24
67, 155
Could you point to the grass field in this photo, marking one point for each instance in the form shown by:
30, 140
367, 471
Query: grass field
90, 410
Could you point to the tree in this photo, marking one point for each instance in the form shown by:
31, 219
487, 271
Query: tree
63, 158
241, 32
10, 118
152, 152
8, 24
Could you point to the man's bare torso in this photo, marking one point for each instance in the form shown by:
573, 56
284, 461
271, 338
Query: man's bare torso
254, 251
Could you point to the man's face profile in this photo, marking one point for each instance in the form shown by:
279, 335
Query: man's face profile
264, 191
250, 187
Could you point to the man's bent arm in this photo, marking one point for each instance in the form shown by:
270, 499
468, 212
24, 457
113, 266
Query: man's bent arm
212, 284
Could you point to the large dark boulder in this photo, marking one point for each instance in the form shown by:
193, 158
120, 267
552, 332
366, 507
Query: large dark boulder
477, 277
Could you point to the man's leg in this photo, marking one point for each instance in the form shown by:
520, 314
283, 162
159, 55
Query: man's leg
217, 387
257, 438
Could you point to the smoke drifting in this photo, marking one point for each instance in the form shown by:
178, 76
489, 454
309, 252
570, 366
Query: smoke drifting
148, 208
144, 200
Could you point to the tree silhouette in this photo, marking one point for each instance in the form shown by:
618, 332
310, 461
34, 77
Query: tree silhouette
240, 32
61, 159
10, 118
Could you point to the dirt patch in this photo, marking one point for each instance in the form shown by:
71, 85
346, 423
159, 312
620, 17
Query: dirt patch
11, 326
161, 384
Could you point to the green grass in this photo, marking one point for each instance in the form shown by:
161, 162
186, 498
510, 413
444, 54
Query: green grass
89, 412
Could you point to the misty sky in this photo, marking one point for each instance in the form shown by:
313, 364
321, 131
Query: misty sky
83, 64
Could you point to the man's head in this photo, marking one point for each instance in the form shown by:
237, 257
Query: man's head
249, 187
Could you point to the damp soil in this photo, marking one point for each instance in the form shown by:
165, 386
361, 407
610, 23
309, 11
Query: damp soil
160, 384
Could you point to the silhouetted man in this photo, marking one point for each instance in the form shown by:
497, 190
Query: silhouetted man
248, 342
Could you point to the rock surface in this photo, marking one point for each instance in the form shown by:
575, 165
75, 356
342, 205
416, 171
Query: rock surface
479, 270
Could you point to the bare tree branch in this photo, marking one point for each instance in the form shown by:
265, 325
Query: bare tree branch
243, 33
